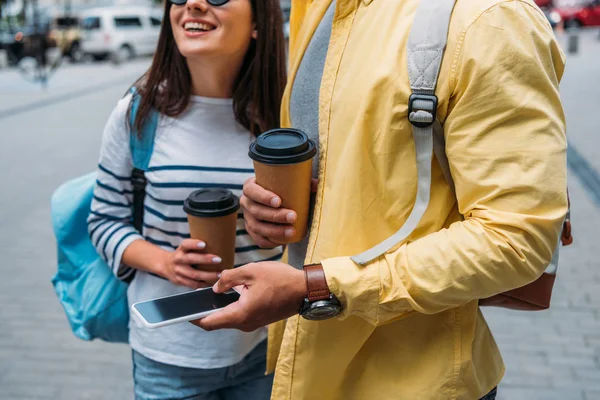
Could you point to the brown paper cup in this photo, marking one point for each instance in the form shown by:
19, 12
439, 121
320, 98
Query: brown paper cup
292, 183
219, 235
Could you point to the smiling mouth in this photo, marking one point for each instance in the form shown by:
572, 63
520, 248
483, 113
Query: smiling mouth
198, 27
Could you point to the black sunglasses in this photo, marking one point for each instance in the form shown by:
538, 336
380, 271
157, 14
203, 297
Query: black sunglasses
216, 3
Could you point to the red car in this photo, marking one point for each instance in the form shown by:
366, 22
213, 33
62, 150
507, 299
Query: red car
575, 17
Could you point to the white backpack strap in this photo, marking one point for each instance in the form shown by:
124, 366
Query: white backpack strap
426, 45
439, 149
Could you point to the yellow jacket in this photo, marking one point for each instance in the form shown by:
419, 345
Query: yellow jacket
411, 327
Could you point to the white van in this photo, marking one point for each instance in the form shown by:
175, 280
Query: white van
123, 32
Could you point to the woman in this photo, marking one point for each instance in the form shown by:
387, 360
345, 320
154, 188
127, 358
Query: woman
216, 79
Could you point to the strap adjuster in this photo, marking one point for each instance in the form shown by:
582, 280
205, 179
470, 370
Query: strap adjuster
422, 109
138, 179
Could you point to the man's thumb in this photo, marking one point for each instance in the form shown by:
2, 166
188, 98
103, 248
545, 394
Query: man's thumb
231, 278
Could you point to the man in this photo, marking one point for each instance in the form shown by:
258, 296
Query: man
409, 324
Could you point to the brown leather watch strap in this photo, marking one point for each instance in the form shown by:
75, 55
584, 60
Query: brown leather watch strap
316, 283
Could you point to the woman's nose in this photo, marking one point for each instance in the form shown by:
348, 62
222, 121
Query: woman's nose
200, 5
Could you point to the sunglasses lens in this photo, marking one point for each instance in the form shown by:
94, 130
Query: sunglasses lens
178, 2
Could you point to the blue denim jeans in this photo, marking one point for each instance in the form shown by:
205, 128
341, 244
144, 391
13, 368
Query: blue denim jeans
243, 381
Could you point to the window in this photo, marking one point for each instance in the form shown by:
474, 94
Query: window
155, 21
91, 23
66, 22
128, 22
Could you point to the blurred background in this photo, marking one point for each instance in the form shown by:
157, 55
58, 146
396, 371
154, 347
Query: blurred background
63, 66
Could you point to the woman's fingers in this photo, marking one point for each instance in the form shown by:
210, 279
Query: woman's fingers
192, 245
190, 283
192, 258
205, 278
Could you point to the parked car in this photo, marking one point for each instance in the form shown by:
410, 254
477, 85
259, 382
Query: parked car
576, 17
65, 33
121, 32
543, 3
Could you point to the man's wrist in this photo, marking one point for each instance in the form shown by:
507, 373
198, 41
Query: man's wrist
302, 291
319, 303
316, 283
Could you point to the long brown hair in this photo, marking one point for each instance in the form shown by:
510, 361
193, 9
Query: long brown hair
167, 85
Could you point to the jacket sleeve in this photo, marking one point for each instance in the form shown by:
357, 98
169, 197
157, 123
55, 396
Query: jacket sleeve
110, 221
506, 145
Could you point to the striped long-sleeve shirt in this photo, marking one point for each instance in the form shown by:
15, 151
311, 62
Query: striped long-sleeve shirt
202, 148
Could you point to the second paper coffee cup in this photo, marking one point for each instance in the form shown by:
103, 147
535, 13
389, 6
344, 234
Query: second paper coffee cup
283, 165
212, 216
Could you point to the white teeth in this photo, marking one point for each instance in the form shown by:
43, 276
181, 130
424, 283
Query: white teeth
198, 26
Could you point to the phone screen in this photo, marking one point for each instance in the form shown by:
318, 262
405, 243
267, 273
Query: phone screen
184, 304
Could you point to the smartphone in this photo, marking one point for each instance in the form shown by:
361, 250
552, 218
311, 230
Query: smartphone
182, 307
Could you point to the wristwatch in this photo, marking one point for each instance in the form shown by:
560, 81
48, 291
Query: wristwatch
320, 304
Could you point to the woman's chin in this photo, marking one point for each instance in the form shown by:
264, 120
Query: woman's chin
196, 52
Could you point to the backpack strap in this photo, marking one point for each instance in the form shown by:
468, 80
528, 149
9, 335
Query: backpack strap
425, 50
439, 149
141, 147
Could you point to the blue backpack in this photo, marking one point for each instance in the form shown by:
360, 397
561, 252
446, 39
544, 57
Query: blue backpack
94, 300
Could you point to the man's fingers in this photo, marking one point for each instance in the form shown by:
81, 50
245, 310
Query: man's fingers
258, 194
268, 214
231, 278
273, 232
262, 242
231, 316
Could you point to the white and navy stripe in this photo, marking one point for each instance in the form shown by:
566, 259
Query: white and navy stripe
165, 222
168, 185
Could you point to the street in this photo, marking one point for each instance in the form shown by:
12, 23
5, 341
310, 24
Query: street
48, 137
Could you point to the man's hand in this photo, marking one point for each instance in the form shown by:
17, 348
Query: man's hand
267, 223
271, 291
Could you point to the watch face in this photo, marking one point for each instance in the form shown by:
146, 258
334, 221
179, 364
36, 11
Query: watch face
322, 310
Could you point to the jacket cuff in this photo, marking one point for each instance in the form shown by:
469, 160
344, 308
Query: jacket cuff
355, 286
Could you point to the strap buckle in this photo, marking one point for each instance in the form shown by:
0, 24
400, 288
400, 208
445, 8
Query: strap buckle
138, 179
422, 109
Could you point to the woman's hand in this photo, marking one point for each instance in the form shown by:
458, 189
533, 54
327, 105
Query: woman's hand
179, 266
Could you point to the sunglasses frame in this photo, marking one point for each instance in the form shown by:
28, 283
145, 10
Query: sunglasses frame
214, 3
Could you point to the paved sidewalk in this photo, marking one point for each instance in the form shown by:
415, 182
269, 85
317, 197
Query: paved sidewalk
555, 354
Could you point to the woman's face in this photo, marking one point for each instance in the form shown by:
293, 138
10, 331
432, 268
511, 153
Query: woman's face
202, 30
